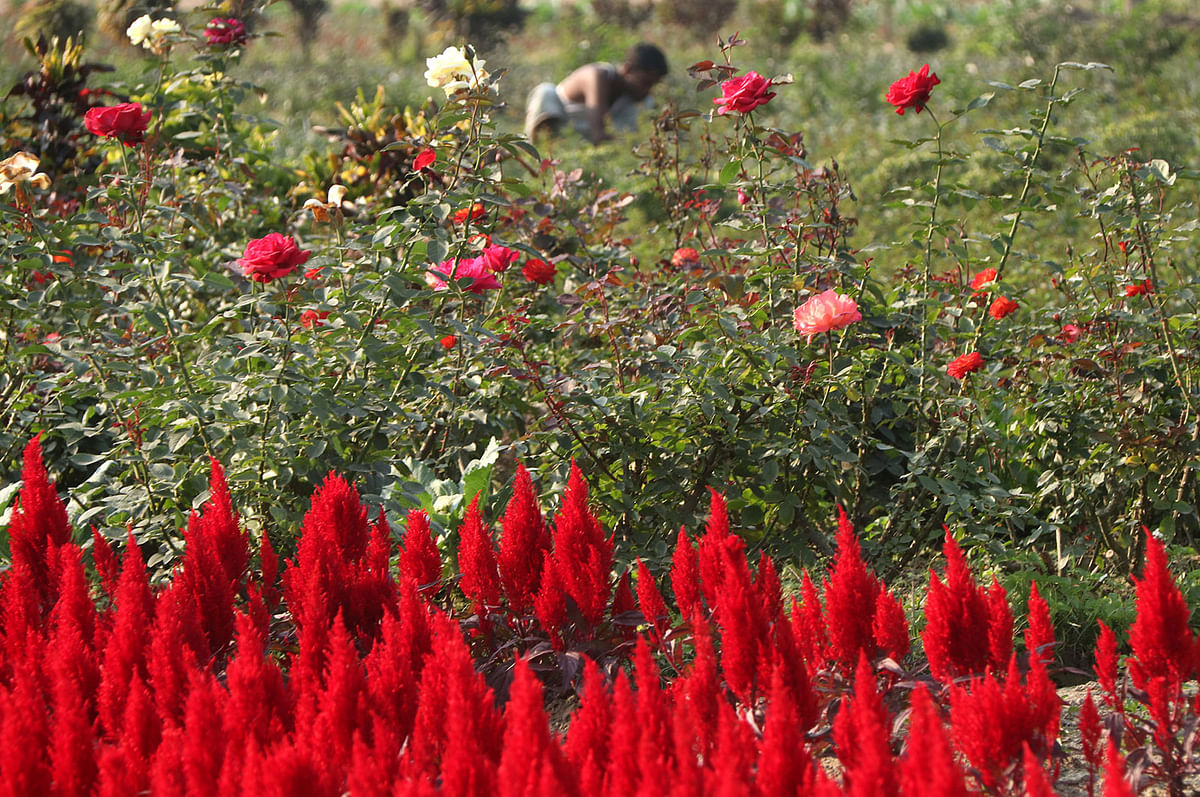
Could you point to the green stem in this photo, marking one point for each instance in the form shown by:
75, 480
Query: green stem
1016, 222
268, 415
762, 206
133, 197
925, 276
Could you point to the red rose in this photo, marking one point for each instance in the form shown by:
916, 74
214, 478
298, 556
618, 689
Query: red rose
1001, 307
125, 122
449, 342
539, 271
744, 94
984, 278
270, 258
912, 91
1139, 288
311, 319
424, 158
222, 32
961, 366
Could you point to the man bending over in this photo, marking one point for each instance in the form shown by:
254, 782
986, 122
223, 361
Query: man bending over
594, 93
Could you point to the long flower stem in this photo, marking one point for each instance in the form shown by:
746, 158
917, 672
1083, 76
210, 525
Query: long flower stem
762, 206
1016, 222
925, 277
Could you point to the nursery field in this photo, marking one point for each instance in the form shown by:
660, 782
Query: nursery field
352, 442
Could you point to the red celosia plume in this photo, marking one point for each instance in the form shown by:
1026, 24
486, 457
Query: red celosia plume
522, 544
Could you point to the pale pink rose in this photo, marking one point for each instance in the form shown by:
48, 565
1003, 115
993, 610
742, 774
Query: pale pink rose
825, 312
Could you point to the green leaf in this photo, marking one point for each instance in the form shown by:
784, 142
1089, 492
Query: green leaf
478, 476
730, 171
435, 251
980, 101
1089, 66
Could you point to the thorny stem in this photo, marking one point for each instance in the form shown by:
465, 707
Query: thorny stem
762, 206
1011, 238
141, 464
925, 274
268, 415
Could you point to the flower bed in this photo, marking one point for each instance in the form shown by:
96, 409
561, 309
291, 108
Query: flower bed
373, 668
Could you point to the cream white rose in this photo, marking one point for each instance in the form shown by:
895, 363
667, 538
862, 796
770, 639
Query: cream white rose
139, 30
452, 71
161, 28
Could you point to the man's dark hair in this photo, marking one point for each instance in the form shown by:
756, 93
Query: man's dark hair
647, 58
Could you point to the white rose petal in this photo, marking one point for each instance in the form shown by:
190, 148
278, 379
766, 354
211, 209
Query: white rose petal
452, 71
139, 30
161, 28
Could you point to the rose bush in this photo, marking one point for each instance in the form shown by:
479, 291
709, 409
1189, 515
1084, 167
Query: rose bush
145, 357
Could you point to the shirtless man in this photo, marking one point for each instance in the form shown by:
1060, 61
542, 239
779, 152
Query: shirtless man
596, 92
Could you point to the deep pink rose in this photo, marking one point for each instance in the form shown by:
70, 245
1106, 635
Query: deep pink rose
912, 91
744, 94
1071, 333
125, 122
499, 258
482, 278
223, 32
272, 257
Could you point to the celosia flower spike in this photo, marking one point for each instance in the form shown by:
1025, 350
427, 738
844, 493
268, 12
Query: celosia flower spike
477, 559
522, 544
1159, 638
